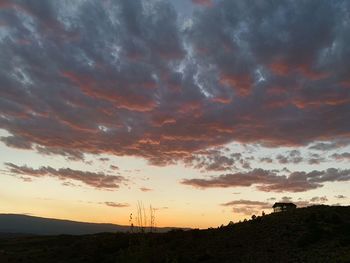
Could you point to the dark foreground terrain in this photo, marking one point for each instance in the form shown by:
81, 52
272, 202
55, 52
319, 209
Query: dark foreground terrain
314, 234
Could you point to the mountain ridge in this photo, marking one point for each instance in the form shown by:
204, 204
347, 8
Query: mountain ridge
35, 225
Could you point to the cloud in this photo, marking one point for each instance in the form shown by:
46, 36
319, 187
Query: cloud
16, 142
286, 199
328, 146
203, 2
266, 159
300, 202
250, 207
69, 154
247, 207
116, 205
341, 156
340, 197
160, 208
304, 203
271, 181
293, 156
70, 184
315, 158
134, 82
246, 210
145, 189
218, 159
114, 167
321, 199
248, 203
98, 180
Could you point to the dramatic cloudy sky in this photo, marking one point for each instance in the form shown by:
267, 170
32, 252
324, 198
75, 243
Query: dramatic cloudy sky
210, 110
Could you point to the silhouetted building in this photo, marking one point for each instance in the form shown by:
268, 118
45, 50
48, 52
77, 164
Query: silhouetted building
279, 207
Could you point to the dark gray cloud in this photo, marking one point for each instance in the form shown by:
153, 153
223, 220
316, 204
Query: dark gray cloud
315, 158
69, 154
271, 181
218, 159
293, 156
328, 146
97, 180
16, 142
341, 156
128, 78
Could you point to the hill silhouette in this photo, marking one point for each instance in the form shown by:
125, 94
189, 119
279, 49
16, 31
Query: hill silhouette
24, 224
14, 225
313, 234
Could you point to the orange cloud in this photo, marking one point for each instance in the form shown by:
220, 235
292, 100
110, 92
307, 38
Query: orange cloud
335, 101
105, 90
280, 68
207, 3
222, 100
240, 83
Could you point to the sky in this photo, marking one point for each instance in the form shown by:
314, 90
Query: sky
209, 111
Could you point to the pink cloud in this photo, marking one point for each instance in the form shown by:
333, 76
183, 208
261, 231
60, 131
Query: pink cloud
271, 181
97, 180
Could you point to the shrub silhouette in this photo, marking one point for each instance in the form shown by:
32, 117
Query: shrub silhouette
230, 224
143, 221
